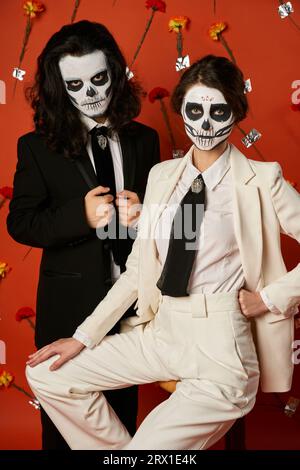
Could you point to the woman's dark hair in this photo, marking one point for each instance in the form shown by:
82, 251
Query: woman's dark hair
54, 114
215, 72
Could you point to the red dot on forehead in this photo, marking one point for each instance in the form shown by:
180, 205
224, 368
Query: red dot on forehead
207, 98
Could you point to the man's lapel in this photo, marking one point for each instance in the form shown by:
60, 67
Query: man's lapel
247, 217
129, 160
86, 169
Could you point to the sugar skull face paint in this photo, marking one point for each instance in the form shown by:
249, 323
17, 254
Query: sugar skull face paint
207, 117
88, 82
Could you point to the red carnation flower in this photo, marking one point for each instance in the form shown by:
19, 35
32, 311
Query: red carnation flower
157, 5
6, 192
295, 107
24, 312
158, 93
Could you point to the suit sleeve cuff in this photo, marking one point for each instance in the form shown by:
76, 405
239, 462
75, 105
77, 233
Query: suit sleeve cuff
292, 311
83, 338
271, 307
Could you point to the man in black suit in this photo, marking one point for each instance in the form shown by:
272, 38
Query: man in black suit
86, 164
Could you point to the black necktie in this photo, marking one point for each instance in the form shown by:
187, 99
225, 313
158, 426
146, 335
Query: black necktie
103, 158
184, 235
106, 177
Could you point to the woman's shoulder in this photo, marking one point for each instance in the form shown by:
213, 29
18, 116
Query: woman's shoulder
166, 165
267, 171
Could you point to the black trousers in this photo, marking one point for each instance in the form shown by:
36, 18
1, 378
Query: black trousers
123, 401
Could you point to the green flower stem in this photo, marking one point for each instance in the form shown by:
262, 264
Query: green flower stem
27, 253
143, 37
167, 121
25, 42
179, 42
76, 6
225, 44
20, 389
31, 323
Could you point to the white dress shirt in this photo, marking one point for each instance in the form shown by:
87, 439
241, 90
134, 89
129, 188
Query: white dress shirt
217, 266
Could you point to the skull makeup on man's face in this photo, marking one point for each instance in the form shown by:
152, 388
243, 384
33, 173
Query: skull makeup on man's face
207, 117
88, 82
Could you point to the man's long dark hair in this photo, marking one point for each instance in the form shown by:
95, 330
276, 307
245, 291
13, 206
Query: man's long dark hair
54, 114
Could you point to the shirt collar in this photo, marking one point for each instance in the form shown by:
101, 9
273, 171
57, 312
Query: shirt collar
213, 174
91, 123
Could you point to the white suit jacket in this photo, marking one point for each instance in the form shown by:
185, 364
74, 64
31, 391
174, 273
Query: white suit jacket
264, 205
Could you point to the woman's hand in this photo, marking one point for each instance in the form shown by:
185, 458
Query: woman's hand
251, 303
67, 348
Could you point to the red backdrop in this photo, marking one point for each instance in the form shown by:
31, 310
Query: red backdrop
265, 47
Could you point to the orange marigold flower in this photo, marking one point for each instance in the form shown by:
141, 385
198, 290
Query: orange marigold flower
6, 379
178, 23
24, 312
216, 29
157, 94
156, 5
4, 269
6, 192
33, 8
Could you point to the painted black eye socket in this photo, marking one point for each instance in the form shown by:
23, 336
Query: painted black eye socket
220, 112
194, 111
100, 79
74, 85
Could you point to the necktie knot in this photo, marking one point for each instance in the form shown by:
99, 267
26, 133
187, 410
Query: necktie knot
96, 131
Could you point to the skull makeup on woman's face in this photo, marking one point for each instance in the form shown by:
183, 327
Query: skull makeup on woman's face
88, 82
207, 117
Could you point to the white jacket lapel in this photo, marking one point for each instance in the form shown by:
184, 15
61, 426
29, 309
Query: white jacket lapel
247, 217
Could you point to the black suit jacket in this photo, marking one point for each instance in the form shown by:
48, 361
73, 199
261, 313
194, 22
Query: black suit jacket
47, 211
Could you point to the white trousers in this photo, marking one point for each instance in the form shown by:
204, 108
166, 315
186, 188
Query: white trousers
202, 340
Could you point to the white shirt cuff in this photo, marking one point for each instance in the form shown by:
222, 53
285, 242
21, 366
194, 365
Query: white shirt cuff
268, 303
83, 338
292, 311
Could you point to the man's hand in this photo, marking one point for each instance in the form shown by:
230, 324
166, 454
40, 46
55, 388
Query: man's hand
99, 209
67, 348
129, 207
251, 303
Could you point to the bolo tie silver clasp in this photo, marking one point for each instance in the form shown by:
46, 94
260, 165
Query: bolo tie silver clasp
102, 141
197, 186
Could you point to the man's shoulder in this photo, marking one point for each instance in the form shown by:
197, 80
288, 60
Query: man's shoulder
139, 129
32, 138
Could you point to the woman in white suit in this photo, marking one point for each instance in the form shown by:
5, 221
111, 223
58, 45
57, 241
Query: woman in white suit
215, 304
